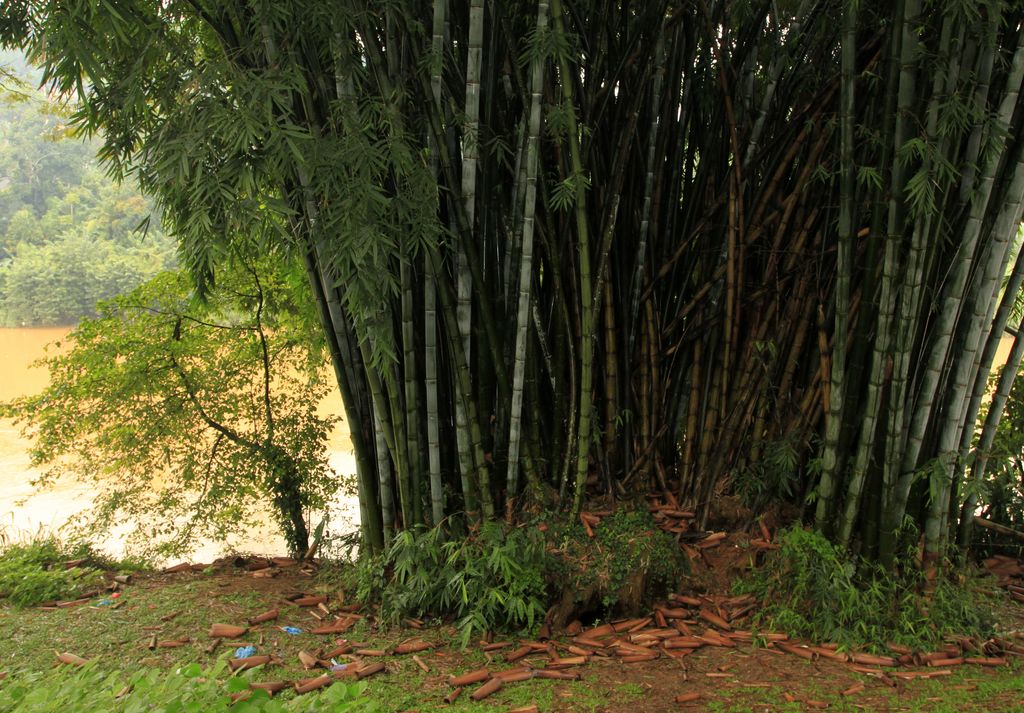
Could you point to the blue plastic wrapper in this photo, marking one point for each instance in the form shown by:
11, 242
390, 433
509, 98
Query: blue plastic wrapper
293, 630
244, 652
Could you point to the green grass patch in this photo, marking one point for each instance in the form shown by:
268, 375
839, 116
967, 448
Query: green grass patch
34, 572
189, 688
813, 590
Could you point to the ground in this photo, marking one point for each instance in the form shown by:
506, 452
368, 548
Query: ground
172, 606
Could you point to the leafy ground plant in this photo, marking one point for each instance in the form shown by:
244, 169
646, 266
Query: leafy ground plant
813, 590
34, 572
492, 580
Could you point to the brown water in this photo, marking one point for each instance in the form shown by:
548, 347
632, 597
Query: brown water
25, 512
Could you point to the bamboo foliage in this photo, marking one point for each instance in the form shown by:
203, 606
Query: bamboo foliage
640, 247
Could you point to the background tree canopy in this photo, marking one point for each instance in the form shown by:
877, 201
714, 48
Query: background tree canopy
67, 232
596, 244
192, 417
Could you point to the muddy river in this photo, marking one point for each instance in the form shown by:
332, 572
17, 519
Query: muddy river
24, 512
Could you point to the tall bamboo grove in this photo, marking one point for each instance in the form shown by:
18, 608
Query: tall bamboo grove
569, 248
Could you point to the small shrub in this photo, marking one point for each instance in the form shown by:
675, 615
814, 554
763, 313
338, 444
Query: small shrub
488, 581
812, 589
190, 688
33, 572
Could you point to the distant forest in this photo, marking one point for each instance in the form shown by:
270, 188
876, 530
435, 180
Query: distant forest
69, 235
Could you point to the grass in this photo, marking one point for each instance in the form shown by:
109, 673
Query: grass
116, 638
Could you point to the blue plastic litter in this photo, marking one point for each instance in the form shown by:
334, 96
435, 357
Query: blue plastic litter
244, 652
339, 666
291, 630
104, 602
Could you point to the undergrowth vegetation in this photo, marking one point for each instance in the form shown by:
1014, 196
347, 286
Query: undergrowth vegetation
34, 572
493, 580
812, 590
502, 579
190, 688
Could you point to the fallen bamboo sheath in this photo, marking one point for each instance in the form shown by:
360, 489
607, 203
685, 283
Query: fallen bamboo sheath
854, 689
227, 631
683, 642
311, 601
598, 631
579, 650
371, 652
338, 626
921, 674
589, 643
630, 624
712, 618
450, 698
872, 660
340, 650
182, 567
760, 544
557, 675
690, 697
491, 686
940, 663
248, 662
899, 648
264, 617
566, 662
683, 599
312, 684
257, 565
413, 623
830, 654
413, 647
587, 528
638, 658
519, 653
800, 651
515, 675
574, 627
659, 618
71, 659
480, 674
713, 638
622, 647
152, 643
986, 661
241, 696
524, 709
419, 662
270, 687
172, 643
680, 626
367, 671
309, 661
675, 613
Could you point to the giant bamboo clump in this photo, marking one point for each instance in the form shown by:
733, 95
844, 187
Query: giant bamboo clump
564, 248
